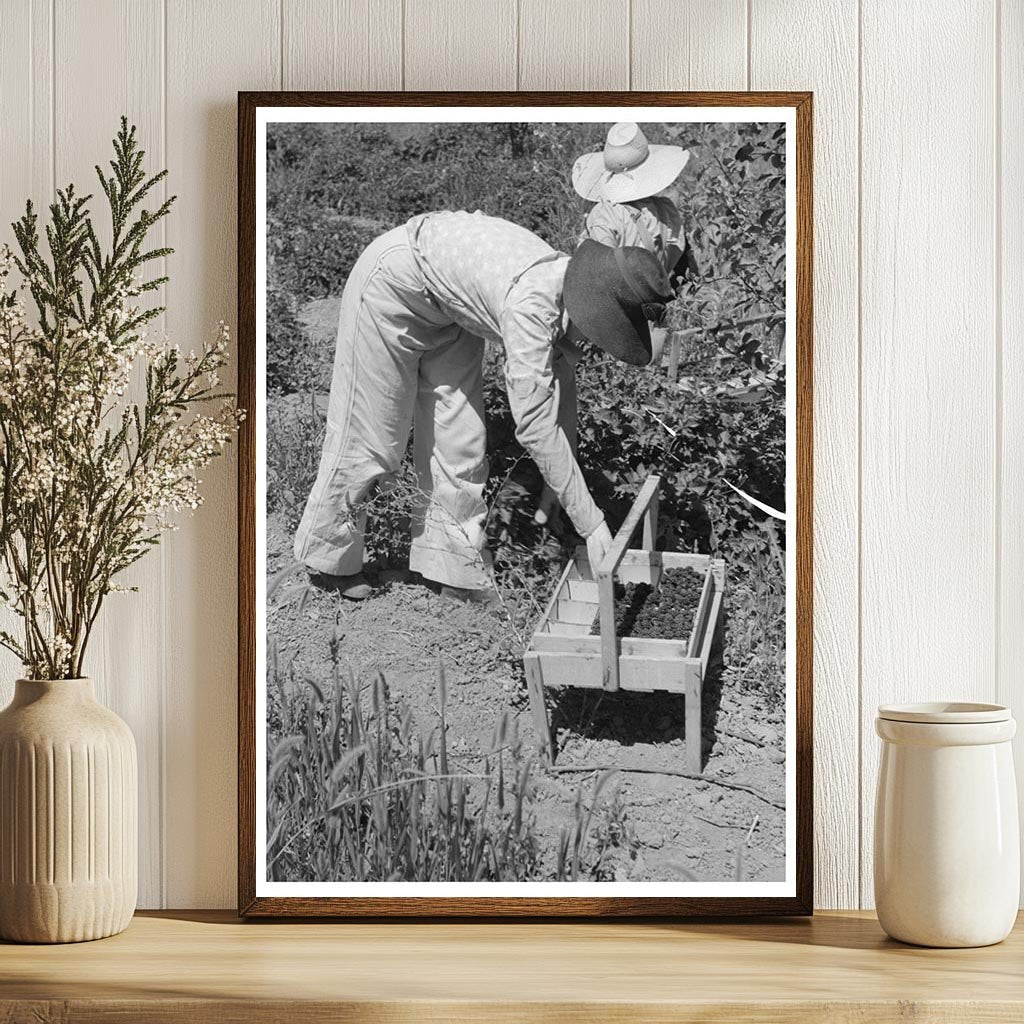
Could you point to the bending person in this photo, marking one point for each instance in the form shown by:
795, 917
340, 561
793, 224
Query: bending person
416, 309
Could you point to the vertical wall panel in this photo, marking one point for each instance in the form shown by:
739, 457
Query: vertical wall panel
928, 363
829, 68
213, 50
574, 44
342, 44
16, 63
468, 44
26, 109
1010, 259
689, 44
125, 655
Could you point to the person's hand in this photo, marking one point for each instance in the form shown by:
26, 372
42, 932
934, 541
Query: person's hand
598, 544
548, 512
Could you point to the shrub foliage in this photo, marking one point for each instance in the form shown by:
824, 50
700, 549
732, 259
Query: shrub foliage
333, 188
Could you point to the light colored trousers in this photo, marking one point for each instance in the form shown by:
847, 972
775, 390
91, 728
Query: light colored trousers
401, 363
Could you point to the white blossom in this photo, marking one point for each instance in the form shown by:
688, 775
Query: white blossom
94, 463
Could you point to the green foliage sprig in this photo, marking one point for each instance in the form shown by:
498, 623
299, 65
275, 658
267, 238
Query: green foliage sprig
89, 477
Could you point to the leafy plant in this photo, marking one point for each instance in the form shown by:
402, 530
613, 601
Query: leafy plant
333, 188
295, 435
88, 477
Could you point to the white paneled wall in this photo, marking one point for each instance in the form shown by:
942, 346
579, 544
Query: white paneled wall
829, 67
928, 427
919, 323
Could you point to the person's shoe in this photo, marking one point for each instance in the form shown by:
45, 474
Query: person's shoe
466, 595
352, 588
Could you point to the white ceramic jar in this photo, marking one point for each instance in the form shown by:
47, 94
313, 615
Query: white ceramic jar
947, 847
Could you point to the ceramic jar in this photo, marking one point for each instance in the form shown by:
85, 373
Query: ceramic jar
947, 847
68, 815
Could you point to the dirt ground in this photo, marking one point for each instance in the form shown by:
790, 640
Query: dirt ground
682, 829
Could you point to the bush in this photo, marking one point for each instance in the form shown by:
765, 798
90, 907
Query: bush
332, 188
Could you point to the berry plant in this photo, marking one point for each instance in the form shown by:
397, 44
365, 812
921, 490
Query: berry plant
721, 420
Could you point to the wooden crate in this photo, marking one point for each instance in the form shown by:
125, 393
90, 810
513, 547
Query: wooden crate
563, 652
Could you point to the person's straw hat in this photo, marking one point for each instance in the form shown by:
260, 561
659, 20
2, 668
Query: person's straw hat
610, 293
629, 167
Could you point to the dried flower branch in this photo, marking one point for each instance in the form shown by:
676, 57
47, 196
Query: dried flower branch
89, 478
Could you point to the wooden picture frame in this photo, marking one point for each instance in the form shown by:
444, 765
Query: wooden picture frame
253, 904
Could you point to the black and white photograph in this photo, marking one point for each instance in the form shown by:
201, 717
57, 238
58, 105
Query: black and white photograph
525, 573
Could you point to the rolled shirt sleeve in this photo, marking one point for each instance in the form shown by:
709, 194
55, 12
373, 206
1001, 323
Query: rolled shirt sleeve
535, 394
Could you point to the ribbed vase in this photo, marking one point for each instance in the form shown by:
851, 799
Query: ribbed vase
68, 815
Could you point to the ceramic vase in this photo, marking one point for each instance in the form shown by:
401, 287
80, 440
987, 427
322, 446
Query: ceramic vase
947, 847
68, 815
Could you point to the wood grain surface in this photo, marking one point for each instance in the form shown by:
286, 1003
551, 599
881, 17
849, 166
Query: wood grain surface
200, 967
477, 37
700, 44
342, 44
574, 44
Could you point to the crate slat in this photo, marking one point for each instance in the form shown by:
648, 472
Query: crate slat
639, 572
638, 646
558, 628
669, 559
556, 593
709, 632
700, 614
582, 590
636, 673
575, 611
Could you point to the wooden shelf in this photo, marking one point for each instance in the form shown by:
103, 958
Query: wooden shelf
209, 966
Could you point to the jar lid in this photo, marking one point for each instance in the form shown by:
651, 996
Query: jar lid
945, 713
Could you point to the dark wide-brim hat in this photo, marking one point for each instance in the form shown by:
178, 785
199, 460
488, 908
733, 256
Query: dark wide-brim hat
611, 293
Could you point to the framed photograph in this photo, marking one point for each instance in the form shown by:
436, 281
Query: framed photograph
525, 494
